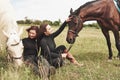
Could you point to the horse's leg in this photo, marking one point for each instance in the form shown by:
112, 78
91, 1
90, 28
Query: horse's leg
117, 42
107, 36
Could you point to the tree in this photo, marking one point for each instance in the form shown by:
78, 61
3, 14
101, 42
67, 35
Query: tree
37, 22
21, 22
47, 22
56, 23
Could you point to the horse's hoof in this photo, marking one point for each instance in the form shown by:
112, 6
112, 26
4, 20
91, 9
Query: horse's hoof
110, 59
118, 57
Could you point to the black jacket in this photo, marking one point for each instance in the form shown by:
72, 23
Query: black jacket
30, 47
48, 45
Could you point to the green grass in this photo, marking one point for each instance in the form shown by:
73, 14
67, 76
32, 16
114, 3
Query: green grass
90, 49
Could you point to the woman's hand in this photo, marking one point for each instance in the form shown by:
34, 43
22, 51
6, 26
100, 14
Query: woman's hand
69, 19
63, 55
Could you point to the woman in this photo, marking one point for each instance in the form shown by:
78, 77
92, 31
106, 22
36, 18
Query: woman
30, 53
55, 56
30, 44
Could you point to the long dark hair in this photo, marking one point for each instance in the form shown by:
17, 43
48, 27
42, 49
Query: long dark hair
36, 28
42, 29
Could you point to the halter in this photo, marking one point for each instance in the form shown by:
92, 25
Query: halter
16, 57
76, 32
12, 57
16, 43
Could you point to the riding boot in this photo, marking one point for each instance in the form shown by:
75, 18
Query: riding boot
72, 59
118, 3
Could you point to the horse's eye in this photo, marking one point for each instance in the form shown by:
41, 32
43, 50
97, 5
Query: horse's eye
74, 21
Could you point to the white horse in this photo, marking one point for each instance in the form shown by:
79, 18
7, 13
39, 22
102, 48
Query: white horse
10, 37
14, 47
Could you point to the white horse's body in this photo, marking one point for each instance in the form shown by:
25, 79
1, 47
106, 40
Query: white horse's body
10, 37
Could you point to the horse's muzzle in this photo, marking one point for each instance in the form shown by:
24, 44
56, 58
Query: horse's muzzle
70, 40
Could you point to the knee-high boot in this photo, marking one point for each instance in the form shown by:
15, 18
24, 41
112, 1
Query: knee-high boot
72, 59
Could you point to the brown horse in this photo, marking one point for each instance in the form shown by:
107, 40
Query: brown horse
104, 12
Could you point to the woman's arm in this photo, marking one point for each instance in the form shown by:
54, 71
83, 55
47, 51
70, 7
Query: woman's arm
59, 30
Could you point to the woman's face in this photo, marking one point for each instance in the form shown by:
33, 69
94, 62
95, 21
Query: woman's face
49, 30
32, 34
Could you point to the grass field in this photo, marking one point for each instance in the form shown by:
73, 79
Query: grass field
90, 49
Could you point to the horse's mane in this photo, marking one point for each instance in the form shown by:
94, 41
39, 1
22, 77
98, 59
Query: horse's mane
7, 20
7, 15
76, 12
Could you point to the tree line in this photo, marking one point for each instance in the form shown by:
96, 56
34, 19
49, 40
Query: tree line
52, 23
38, 22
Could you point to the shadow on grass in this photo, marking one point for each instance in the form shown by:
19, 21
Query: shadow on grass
93, 56
97, 57
117, 65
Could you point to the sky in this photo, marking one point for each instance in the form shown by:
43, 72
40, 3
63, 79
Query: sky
45, 9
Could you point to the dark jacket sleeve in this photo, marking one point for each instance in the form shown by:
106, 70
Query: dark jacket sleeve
59, 30
46, 51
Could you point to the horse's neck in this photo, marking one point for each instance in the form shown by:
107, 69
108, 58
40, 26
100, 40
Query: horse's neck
7, 22
7, 15
94, 10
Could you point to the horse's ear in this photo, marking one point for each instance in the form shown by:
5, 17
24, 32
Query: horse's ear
5, 33
71, 11
21, 31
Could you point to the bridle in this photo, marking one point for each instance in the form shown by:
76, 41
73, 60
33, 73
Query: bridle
74, 32
16, 57
77, 25
13, 57
16, 43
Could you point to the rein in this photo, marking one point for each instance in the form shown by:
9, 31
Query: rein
69, 47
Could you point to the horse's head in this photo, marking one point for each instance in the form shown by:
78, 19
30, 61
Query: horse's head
75, 25
14, 46
13, 37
